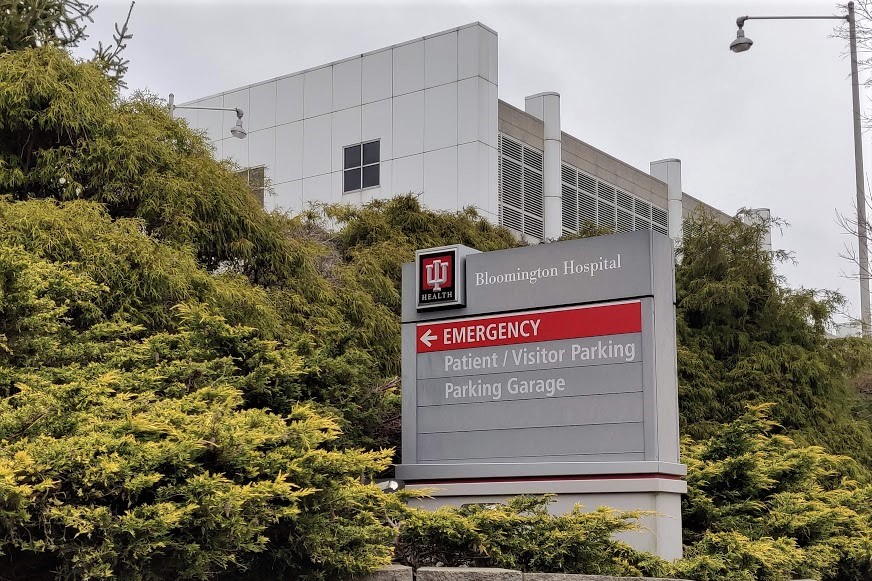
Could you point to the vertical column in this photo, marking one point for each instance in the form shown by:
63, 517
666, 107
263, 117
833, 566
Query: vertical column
546, 106
669, 171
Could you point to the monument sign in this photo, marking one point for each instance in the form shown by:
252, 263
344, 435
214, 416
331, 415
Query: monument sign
548, 368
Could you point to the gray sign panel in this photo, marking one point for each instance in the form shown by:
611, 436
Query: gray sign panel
615, 441
607, 396
582, 410
604, 268
588, 351
577, 381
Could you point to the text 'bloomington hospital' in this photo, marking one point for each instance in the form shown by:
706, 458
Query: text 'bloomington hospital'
569, 268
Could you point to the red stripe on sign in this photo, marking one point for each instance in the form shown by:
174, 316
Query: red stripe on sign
531, 327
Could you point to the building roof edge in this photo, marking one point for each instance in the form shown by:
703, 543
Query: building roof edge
340, 61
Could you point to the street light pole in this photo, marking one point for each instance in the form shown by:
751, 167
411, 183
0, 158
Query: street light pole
741, 44
862, 238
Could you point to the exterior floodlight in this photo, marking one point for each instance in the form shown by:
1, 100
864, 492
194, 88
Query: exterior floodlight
742, 43
389, 486
238, 130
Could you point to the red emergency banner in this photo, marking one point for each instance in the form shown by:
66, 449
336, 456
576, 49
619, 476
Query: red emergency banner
531, 327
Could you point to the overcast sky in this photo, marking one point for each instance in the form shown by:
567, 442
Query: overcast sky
639, 80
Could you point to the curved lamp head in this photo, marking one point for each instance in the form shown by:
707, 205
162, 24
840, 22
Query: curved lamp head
741, 44
238, 130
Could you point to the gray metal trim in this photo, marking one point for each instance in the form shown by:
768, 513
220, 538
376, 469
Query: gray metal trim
412, 472
410, 393
545, 486
649, 350
665, 363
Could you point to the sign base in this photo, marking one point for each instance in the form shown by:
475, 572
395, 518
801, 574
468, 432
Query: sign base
659, 493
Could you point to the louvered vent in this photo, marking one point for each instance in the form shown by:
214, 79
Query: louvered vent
513, 219
513, 183
570, 208
625, 221
521, 187
586, 209
659, 220
606, 191
587, 183
594, 202
533, 158
532, 192
586, 199
569, 175
534, 227
511, 149
625, 200
605, 215
643, 209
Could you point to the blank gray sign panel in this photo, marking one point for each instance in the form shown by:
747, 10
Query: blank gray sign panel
621, 441
620, 408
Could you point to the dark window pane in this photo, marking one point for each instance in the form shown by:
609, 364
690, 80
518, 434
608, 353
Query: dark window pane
370, 153
256, 181
256, 177
352, 180
352, 156
370, 176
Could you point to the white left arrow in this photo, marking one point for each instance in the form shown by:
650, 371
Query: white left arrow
427, 338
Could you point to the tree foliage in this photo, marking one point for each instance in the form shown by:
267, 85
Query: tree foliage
745, 337
67, 137
762, 508
132, 453
33, 23
522, 535
193, 388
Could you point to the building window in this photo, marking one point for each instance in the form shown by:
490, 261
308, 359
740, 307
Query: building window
256, 180
361, 166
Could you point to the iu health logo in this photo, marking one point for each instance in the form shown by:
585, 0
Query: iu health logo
437, 273
439, 278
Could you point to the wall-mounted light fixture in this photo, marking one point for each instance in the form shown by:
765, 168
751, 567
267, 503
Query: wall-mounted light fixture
237, 131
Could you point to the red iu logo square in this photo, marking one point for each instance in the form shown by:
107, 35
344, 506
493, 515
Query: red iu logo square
437, 277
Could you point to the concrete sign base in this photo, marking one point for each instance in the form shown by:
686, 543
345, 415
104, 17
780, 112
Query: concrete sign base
660, 533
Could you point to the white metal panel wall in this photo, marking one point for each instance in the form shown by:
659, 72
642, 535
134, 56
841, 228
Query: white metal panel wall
211, 121
261, 112
346, 84
376, 72
289, 99
289, 151
432, 103
408, 125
